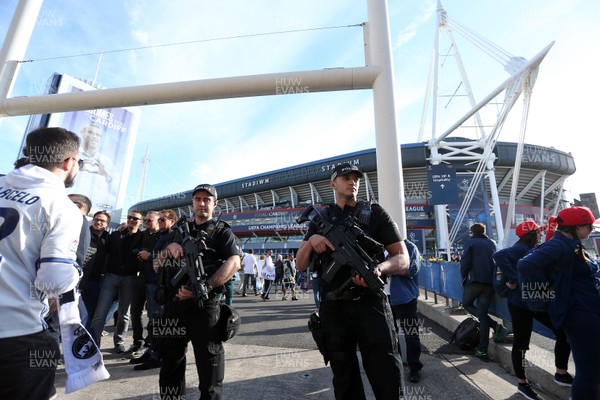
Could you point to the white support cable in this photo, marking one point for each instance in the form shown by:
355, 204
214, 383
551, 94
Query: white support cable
490, 142
492, 49
560, 182
465, 80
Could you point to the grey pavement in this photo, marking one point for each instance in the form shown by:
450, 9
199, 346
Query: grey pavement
274, 357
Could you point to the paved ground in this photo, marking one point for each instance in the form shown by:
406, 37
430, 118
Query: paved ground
273, 357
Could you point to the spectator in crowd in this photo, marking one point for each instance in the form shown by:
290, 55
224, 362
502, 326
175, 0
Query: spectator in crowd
477, 270
122, 267
39, 227
529, 234
278, 272
289, 277
150, 236
240, 275
84, 204
227, 297
151, 357
404, 292
94, 264
267, 273
258, 280
314, 283
249, 267
563, 273
302, 279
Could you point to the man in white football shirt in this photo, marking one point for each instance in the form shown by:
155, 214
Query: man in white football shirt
39, 234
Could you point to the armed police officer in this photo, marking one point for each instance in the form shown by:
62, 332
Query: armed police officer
353, 312
187, 318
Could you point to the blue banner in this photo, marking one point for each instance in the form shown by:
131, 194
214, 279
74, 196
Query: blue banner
441, 179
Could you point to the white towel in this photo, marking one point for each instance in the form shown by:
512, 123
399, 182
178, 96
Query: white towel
83, 361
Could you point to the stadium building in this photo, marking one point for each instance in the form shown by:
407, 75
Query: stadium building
262, 209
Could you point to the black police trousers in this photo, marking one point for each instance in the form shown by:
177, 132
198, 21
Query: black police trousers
368, 323
180, 324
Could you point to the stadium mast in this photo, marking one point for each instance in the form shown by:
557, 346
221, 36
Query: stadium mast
478, 150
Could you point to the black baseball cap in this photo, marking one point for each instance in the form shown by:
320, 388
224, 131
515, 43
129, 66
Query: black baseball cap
210, 189
345, 169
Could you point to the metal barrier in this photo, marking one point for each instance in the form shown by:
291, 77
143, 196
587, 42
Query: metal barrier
443, 278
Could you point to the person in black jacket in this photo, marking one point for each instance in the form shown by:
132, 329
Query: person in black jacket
122, 268
477, 270
94, 264
151, 358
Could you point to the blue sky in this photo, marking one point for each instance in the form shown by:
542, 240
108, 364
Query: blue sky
222, 140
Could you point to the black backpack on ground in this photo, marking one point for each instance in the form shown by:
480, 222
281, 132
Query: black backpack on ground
466, 335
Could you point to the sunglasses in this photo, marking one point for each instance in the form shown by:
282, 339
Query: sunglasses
133, 218
79, 162
101, 220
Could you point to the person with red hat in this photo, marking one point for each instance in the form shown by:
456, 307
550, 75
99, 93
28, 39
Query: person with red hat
564, 274
522, 317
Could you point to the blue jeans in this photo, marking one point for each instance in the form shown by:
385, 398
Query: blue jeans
229, 290
154, 312
483, 294
316, 292
113, 285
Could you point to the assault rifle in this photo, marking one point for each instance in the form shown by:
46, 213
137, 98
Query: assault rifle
191, 263
349, 242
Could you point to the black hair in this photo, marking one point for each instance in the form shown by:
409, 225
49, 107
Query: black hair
478, 229
106, 214
530, 238
83, 200
49, 147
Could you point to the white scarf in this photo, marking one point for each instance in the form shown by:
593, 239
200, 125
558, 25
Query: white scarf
83, 361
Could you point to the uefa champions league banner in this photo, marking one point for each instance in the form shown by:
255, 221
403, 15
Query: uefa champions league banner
107, 143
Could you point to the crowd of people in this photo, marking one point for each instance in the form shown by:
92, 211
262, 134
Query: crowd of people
555, 283
149, 261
